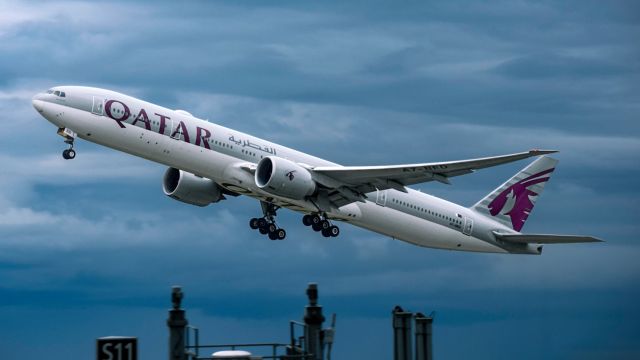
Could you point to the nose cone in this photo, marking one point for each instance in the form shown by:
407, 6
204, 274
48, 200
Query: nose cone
37, 103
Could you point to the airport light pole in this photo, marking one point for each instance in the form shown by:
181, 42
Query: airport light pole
177, 323
313, 320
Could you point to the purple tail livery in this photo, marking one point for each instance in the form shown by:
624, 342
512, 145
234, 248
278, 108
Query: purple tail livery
512, 202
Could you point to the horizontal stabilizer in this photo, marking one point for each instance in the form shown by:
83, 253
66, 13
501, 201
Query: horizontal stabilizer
546, 238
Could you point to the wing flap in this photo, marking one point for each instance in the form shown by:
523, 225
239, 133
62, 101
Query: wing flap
546, 238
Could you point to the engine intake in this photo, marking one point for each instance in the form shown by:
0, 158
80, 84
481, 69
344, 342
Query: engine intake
285, 178
189, 188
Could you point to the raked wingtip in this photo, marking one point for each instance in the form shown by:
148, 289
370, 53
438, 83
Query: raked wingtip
536, 152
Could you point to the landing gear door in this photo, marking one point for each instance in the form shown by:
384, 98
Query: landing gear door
381, 197
468, 226
98, 105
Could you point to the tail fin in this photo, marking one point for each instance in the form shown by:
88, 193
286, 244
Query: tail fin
512, 202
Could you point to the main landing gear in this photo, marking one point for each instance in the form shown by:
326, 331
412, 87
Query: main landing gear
69, 136
321, 224
267, 224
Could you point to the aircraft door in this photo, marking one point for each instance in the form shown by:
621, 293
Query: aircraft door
381, 197
179, 133
173, 143
468, 226
175, 133
178, 146
165, 144
178, 139
97, 106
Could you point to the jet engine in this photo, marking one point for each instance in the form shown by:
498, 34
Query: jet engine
190, 188
285, 178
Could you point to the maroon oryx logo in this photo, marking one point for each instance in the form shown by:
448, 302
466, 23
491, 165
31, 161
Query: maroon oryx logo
290, 175
519, 198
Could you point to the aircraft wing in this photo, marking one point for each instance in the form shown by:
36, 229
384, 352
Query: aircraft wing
546, 238
359, 180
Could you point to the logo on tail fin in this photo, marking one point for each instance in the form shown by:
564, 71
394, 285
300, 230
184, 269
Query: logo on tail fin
516, 200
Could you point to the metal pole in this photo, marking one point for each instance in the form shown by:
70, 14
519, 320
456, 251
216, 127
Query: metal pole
177, 323
402, 334
313, 318
424, 332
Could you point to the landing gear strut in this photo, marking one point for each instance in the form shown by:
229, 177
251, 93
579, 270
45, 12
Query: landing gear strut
266, 225
321, 224
69, 137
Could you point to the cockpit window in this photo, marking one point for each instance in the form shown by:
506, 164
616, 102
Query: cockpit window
57, 93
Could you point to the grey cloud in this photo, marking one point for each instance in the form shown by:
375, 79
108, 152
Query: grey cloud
267, 55
356, 83
545, 66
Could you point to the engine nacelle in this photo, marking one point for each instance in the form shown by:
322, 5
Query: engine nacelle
190, 188
285, 178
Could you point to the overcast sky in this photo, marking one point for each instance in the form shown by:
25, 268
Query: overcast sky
91, 247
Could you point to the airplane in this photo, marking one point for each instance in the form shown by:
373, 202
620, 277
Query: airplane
208, 163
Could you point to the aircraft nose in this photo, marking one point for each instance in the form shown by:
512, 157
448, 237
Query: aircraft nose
37, 103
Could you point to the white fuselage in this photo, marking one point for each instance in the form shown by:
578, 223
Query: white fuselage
176, 139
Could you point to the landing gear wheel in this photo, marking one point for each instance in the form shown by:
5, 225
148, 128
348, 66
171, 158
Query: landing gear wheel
262, 223
315, 219
253, 223
325, 224
69, 154
316, 227
263, 230
272, 228
306, 220
273, 236
281, 234
334, 231
326, 232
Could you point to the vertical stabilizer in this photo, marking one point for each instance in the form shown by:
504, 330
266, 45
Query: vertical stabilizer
512, 202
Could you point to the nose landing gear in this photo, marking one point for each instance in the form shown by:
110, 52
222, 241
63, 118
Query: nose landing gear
69, 136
